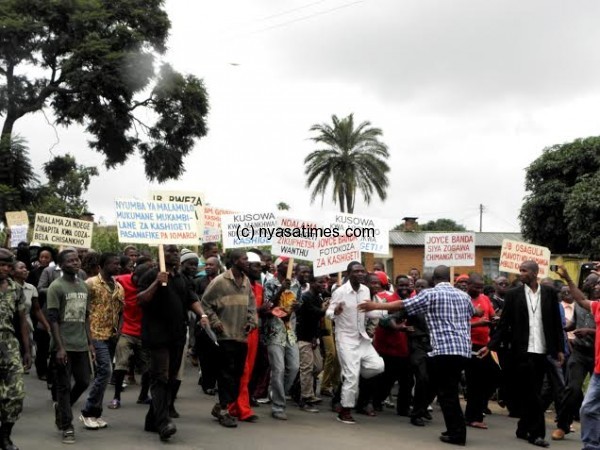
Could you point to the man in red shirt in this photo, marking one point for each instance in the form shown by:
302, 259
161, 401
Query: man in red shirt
130, 338
241, 407
590, 409
480, 371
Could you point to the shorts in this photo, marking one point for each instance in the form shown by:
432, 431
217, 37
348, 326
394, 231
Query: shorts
129, 347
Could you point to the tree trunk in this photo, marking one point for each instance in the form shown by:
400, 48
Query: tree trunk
9, 123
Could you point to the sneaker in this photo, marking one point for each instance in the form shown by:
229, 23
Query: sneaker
101, 422
68, 436
216, 411
227, 420
314, 400
89, 422
345, 417
279, 415
167, 431
263, 401
114, 404
307, 407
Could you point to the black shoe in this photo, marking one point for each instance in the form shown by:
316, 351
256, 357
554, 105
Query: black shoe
522, 435
173, 414
540, 442
417, 421
453, 440
254, 403
227, 420
167, 431
487, 411
427, 416
210, 391
403, 412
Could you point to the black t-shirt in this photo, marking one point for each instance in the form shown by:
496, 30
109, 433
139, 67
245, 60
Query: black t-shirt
308, 317
165, 316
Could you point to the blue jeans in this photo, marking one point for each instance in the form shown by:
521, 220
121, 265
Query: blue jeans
93, 404
285, 362
590, 415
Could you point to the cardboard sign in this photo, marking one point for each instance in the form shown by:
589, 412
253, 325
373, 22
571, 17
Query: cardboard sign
372, 233
16, 218
195, 198
56, 230
514, 253
334, 254
297, 238
149, 222
212, 223
247, 229
18, 233
449, 249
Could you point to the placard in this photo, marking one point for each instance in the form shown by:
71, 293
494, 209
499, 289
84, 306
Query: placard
212, 223
18, 233
297, 238
514, 253
150, 222
195, 198
16, 218
247, 229
62, 231
449, 249
334, 254
373, 233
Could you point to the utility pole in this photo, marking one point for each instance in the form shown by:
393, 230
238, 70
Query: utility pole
480, 217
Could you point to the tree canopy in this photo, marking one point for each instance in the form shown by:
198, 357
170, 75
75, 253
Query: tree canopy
353, 159
94, 63
435, 225
561, 210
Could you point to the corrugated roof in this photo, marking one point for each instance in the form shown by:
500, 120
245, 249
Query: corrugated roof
406, 238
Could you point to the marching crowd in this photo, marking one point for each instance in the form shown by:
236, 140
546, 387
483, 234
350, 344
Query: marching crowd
263, 332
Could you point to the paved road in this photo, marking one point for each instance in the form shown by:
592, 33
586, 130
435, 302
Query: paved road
197, 429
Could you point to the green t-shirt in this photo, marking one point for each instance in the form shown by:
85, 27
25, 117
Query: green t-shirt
72, 302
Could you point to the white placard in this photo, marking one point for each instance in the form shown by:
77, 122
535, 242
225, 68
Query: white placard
297, 238
149, 222
514, 253
195, 198
374, 233
449, 249
212, 223
334, 254
247, 229
18, 233
62, 231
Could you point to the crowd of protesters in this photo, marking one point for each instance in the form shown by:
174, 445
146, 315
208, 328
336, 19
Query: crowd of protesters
261, 337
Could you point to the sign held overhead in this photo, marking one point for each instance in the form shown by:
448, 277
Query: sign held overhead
449, 249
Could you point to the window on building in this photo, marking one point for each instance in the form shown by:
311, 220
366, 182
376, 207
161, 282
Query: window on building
491, 267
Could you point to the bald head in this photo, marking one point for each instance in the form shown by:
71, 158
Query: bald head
441, 274
532, 266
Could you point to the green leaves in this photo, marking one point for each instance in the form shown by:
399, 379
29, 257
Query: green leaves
353, 160
96, 66
562, 208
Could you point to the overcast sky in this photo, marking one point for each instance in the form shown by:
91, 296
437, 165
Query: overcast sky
467, 93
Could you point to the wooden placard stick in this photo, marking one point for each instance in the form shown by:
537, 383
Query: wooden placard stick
161, 259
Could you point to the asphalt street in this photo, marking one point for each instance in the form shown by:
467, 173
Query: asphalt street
198, 430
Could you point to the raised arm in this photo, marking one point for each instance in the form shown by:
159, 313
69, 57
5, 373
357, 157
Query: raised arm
578, 296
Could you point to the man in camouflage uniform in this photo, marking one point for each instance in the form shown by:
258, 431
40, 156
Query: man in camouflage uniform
12, 390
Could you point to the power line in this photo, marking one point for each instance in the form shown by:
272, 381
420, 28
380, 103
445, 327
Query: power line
300, 19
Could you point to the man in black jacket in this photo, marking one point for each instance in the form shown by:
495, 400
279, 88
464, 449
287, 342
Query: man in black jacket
531, 323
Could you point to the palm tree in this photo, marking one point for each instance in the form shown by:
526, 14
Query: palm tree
353, 160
